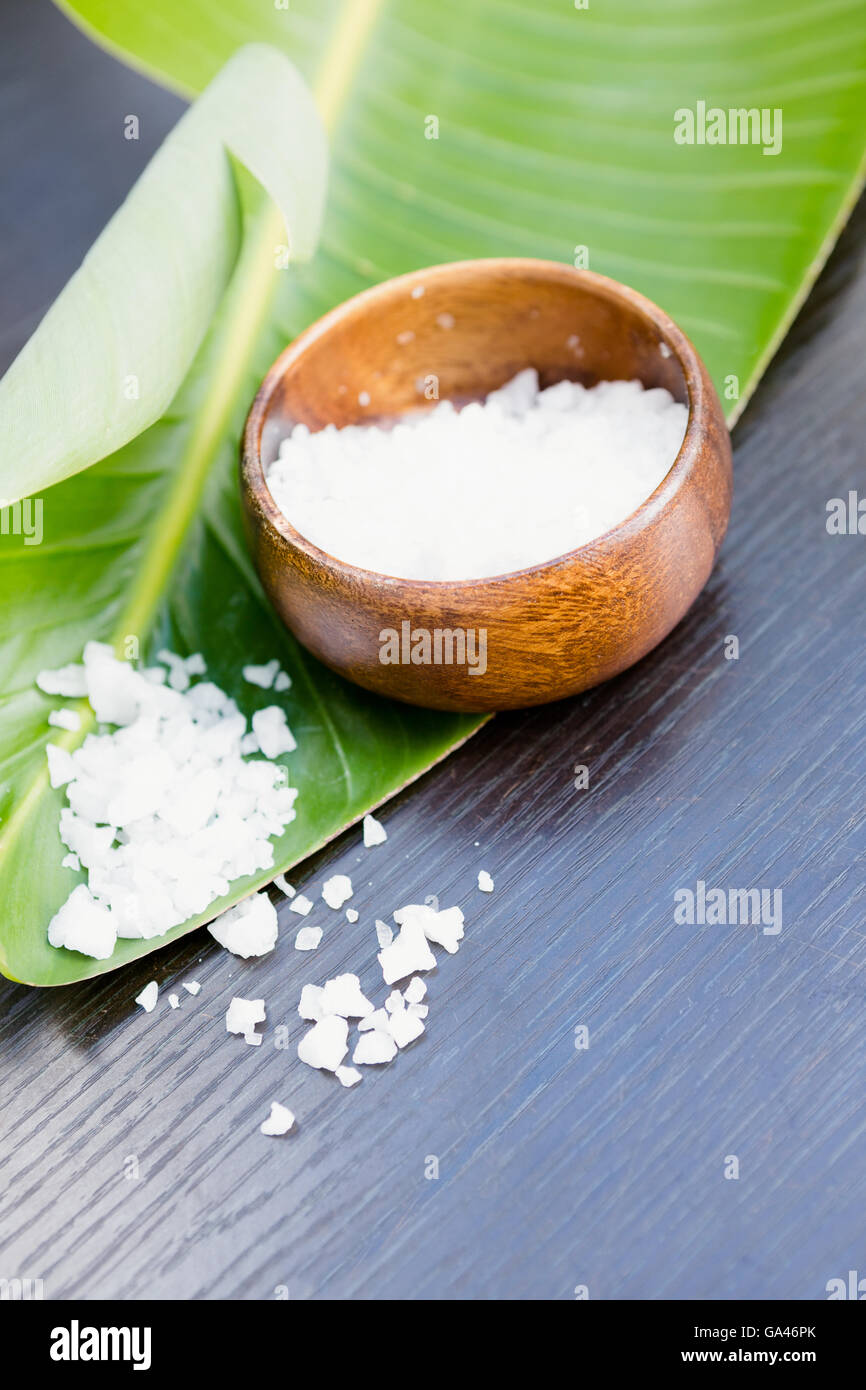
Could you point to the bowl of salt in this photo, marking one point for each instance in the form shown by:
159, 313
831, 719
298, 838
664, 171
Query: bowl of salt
487, 484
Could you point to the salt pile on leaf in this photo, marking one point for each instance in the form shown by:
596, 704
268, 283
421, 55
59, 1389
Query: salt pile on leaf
520, 478
165, 812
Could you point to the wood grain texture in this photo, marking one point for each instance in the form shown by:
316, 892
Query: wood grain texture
557, 1167
551, 630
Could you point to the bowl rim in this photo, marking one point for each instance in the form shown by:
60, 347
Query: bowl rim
592, 551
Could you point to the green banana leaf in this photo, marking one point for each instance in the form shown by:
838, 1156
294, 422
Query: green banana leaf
110, 355
465, 128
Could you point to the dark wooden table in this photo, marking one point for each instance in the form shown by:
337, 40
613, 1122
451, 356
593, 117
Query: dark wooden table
557, 1166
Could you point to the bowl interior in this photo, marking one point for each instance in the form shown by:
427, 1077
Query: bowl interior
462, 331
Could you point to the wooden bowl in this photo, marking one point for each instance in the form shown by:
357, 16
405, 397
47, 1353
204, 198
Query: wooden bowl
552, 629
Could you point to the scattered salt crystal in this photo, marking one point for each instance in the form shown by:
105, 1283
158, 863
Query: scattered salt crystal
337, 890
248, 929
445, 320
65, 719
418, 1010
445, 928
71, 861
174, 1001
61, 768
310, 1006
301, 905
191, 986
84, 925
363, 397
417, 291
308, 938
394, 1001
407, 954
485, 882
279, 1121
272, 731
378, 1019
351, 914
284, 886
373, 1048
68, 681
415, 990
262, 676
405, 1027
347, 1076
343, 996
384, 934
597, 453
242, 1016
374, 832
148, 996
325, 1045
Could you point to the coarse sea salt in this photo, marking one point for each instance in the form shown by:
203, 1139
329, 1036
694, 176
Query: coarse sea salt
65, 719
374, 1048
164, 812
407, 953
242, 1016
248, 929
374, 832
279, 1121
523, 477
337, 890
147, 998
325, 1045
308, 939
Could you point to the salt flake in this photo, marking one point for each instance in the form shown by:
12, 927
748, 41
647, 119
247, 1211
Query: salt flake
242, 1016
279, 1121
325, 1045
273, 733
248, 929
148, 996
343, 996
408, 954
374, 1048
337, 890
374, 832
308, 939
